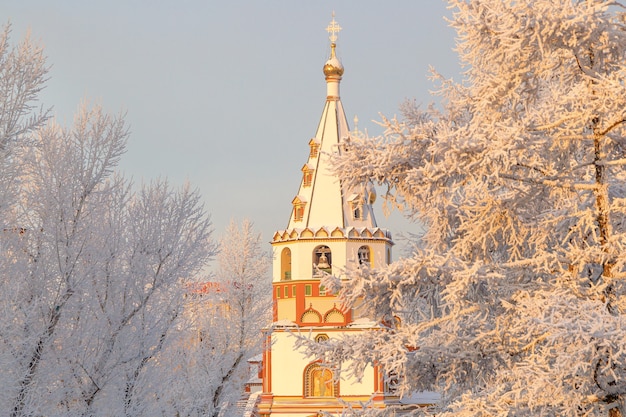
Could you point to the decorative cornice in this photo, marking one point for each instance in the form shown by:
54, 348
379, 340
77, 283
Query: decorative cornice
334, 234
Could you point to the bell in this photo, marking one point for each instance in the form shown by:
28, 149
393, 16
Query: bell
323, 261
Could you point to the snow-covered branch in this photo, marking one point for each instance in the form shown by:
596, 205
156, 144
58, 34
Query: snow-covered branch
513, 301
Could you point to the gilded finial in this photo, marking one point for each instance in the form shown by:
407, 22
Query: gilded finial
333, 67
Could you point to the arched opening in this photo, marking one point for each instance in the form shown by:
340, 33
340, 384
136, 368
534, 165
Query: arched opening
319, 381
322, 260
285, 264
364, 254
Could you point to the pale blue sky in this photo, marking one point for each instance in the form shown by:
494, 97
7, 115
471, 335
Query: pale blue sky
227, 94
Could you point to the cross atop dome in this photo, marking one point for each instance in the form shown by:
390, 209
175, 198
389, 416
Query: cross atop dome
333, 69
333, 29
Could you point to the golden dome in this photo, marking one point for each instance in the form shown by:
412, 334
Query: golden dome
333, 66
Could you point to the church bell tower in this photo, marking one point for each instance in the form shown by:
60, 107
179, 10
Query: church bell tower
331, 229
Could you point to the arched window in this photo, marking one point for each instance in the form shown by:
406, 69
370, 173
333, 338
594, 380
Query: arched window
364, 255
322, 260
319, 381
285, 264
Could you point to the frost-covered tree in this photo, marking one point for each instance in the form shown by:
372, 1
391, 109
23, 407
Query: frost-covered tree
95, 276
514, 301
22, 76
221, 329
92, 272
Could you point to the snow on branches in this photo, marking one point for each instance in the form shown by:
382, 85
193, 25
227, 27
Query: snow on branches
514, 300
91, 270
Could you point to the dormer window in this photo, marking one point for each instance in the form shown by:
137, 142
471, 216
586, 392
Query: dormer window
299, 203
307, 175
315, 148
356, 207
298, 212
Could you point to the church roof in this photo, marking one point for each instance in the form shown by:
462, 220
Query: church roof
327, 201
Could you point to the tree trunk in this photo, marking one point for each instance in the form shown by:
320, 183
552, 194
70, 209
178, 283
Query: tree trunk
35, 359
604, 222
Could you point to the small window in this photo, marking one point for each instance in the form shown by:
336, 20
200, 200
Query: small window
307, 175
364, 255
286, 292
322, 290
308, 178
293, 290
315, 148
321, 337
299, 203
278, 292
298, 212
356, 207
308, 290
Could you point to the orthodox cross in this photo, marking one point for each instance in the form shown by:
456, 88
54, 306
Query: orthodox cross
333, 28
